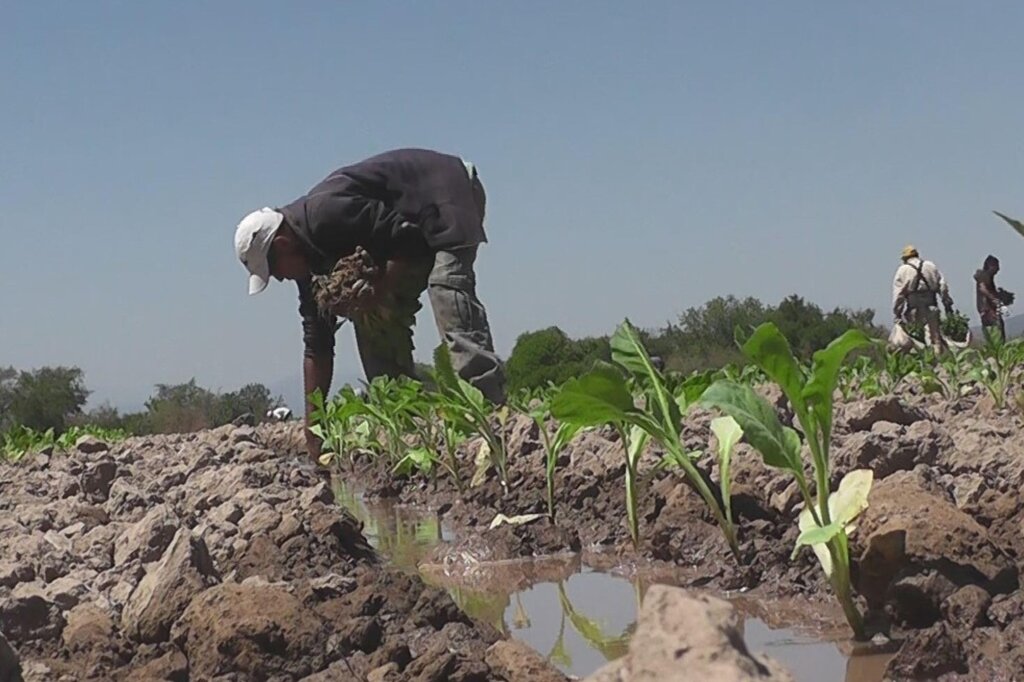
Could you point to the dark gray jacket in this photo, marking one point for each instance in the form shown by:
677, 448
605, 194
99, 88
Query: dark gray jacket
406, 203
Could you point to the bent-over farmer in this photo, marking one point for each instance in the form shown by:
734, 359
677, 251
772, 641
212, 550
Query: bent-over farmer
412, 219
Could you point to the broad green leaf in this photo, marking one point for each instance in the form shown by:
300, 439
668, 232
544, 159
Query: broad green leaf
517, 520
770, 350
779, 446
692, 389
598, 397
1015, 224
825, 375
629, 351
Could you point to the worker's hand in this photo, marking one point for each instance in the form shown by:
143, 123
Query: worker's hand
367, 290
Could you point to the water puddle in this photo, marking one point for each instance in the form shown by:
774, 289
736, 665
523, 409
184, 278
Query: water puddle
578, 617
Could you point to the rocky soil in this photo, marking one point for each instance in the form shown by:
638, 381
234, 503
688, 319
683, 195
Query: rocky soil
214, 556
937, 558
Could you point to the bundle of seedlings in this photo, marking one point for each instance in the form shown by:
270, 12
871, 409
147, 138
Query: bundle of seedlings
348, 290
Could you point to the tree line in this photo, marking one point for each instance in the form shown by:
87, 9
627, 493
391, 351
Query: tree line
703, 337
55, 398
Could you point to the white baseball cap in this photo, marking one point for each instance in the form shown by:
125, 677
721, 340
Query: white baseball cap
252, 244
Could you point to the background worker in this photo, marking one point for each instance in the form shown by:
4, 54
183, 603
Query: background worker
990, 298
916, 288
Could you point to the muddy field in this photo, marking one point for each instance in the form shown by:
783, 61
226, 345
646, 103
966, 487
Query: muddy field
937, 556
226, 555
214, 556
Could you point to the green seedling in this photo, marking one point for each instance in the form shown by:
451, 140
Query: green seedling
465, 406
539, 409
829, 522
998, 366
602, 396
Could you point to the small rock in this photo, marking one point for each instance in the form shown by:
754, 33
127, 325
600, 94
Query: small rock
514, 660
389, 672
321, 492
172, 666
966, 608
927, 655
861, 416
67, 591
226, 514
331, 586
97, 480
14, 572
30, 617
88, 627
147, 539
159, 599
124, 498
90, 445
243, 434
250, 629
259, 520
10, 665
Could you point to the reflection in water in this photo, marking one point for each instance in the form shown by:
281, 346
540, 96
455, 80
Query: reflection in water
586, 619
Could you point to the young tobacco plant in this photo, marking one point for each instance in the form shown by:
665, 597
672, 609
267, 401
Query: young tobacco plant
998, 365
539, 409
826, 521
467, 410
343, 424
602, 396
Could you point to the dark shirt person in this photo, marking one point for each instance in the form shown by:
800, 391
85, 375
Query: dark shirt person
418, 212
989, 300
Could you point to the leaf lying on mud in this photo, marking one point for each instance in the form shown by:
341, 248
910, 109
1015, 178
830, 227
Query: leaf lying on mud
844, 506
519, 520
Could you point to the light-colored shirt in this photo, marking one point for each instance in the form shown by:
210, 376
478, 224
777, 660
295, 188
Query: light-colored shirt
907, 282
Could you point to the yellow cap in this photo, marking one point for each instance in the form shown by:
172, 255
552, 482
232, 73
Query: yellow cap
909, 251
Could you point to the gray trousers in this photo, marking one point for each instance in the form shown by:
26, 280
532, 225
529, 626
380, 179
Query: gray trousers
385, 343
924, 310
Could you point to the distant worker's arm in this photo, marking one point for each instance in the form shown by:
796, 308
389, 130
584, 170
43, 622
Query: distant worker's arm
899, 285
318, 356
947, 300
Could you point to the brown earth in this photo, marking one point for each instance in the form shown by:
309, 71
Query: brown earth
936, 556
213, 556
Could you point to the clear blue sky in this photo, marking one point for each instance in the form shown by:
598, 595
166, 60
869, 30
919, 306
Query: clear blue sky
640, 158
